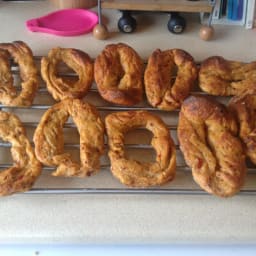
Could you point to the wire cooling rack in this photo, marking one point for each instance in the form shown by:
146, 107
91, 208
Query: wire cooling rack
137, 146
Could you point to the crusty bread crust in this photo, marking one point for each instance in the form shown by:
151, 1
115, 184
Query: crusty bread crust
134, 173
26, 168
244, 107
118, 73
23, 56
169, 78
208, 137
61, 87
49, 139
221, 77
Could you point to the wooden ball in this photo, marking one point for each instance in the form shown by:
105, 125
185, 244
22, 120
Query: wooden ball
206, 32
100, 32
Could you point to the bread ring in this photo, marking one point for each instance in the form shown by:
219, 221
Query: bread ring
23, 56
61, 87
244, 107
162, 90
26, 169
208, 138
218, 76
134, 173
118, 72
49, 139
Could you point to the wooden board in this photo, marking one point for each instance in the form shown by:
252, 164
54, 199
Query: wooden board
159, 5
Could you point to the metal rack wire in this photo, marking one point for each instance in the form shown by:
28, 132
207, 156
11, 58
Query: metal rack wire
104, 182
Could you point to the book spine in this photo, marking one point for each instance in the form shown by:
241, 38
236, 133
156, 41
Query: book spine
224, 7
229, 9
216, 10
250, 14
234, 10
240, 9
244, 11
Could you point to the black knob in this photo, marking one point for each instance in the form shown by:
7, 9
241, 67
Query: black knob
127, 23
176, 24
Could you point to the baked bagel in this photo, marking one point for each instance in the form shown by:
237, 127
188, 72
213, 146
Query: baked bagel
169, 78
118, 73
21, 176
131, 172
221, 77
208, 137
65, 87
23, 56
244, 107
49, 139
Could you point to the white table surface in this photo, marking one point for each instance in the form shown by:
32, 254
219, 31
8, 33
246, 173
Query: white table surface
125, 250
127, 218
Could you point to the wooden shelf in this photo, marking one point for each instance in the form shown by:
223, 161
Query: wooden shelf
159, 5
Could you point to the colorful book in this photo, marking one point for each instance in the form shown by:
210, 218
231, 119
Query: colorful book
224, 8
229, 9
240, 9
235, 9
235, 13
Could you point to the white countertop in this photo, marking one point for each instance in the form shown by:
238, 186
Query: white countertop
127, 218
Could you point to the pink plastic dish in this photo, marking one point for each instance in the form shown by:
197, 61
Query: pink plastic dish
66, 22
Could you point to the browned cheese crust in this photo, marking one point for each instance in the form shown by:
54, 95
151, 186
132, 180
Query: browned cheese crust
118, 73
221, 77
62, 87
244, 107
23, 56
208, 137
169, 77
134, 173
26, 168
49, 138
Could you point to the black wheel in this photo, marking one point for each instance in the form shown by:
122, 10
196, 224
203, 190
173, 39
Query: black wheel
127, 24
176, 24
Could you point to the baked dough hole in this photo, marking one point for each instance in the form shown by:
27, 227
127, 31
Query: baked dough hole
71, 140
173, 74
66, 73
120, 77
15, 73
5, 156
137, 145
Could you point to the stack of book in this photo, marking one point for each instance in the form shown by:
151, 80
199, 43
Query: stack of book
234, 12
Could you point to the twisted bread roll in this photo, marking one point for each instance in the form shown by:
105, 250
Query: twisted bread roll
221, 77
169, 78
23, 56
49, 140
26, 169
244, 107
118, 73
64, 87
207, 133
134, 173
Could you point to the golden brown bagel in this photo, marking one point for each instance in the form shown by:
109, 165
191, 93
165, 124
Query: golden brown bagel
208, 137
49, 140
134, 173
169, 77
26, 168
221, 77
118, 73
63, 87
23, 56
244, 107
